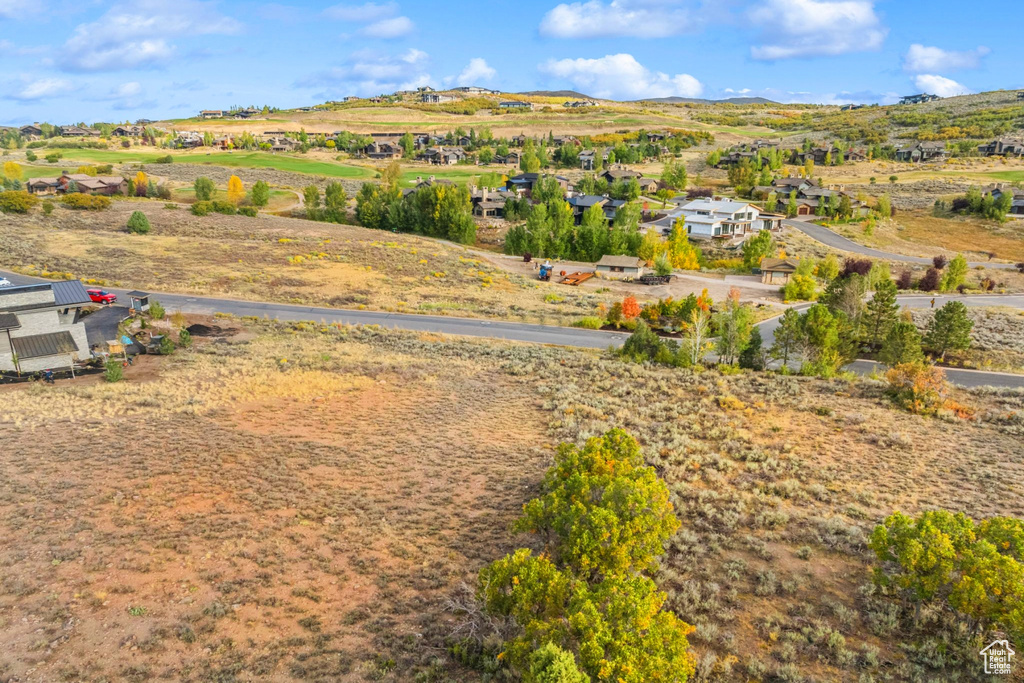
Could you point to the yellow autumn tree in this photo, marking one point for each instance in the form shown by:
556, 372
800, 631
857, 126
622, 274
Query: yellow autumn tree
12, 170
681, 253
236, 191
651, 247
87, 170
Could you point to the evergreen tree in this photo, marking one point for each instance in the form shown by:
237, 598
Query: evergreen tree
882, 312
752, 356
949, 330
902, 344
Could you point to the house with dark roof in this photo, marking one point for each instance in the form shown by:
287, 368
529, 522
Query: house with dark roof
778, 270
41, 326
42, 185
524, 182
87, 184
922, 151
78, 132
383, 149
32, 132
129, 131
919, 99
515, 104
1003, 147
443, 156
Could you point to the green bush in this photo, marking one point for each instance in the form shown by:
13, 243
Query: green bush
184, 338
250, 211
156, 311
165, 159
226, 208
17, 201
202, 208
591, 322
114, 372
138, 223
166, 346
86, 202
30, 156
47, 207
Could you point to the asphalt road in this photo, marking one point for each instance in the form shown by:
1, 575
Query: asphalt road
837, 241
523, 332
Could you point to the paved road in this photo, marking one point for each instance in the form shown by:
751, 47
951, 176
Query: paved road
522, 332
837, 241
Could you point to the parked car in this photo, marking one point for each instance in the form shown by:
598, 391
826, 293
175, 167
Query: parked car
4, 282
101, 297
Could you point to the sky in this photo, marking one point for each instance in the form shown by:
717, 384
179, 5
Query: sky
120, 60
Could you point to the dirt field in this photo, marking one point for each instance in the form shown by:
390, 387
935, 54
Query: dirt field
296, 503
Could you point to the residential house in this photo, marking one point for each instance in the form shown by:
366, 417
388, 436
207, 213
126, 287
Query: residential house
87, 184
524, 182
475, 90
821, 155
649, 185
1017, 206
211, 114
33, 132
282, 144
919, 99
1003, 147
352, 98
625, 266
435, 98
581, 202
443, 156
488, 203
42, 185
735, 158
41, 326
588, 159
511, 159
784, 186
144, 122
515, 104
580, 103
777, 271
383, 150
188, 140
656, 136
922, 151
78, 132
720, 218
128, 131
518, 140
566, 140
620, 173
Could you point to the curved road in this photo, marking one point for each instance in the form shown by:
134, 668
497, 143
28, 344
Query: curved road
836, 241
521, 332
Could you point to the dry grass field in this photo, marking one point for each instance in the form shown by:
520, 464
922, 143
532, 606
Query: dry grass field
295, 503
287, 260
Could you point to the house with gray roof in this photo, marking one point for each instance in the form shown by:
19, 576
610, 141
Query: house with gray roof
709, 218
620, 266
41, 326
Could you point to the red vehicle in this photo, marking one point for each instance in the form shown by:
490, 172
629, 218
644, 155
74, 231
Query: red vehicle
101, 297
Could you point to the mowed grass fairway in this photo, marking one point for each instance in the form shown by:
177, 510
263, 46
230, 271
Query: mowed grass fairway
279, 162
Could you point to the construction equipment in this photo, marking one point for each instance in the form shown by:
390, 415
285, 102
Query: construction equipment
654, 279
545, 271
576, 279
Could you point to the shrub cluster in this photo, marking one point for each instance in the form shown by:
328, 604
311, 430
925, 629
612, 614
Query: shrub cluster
587, 606
86, 202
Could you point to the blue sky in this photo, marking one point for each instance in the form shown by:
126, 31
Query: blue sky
117, 61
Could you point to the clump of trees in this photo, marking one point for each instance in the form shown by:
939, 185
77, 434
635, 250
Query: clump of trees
335, 201
437, 210
974, 203
946, 560
587, 607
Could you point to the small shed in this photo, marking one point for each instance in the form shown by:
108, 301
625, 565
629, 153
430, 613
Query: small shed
138, 301
778, 270
627, 266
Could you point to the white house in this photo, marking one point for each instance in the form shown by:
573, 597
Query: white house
721, 218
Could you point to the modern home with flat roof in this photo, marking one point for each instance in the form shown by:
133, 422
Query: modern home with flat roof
41, 326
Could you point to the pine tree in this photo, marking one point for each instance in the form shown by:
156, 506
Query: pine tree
752, 356
789, 336
949, 330
882, 311
902, 344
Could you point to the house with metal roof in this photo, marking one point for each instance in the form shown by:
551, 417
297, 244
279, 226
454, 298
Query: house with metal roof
720, 218
41, 326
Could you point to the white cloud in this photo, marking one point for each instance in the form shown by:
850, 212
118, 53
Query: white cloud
40, 89
812, 28
477, 71
923, 59
621, 77
13, 9
940, 85
371, 11
131, 89
395, 27
618, 18
371, 73
135, 34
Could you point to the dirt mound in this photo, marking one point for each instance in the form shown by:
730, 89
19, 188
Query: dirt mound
200, 330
